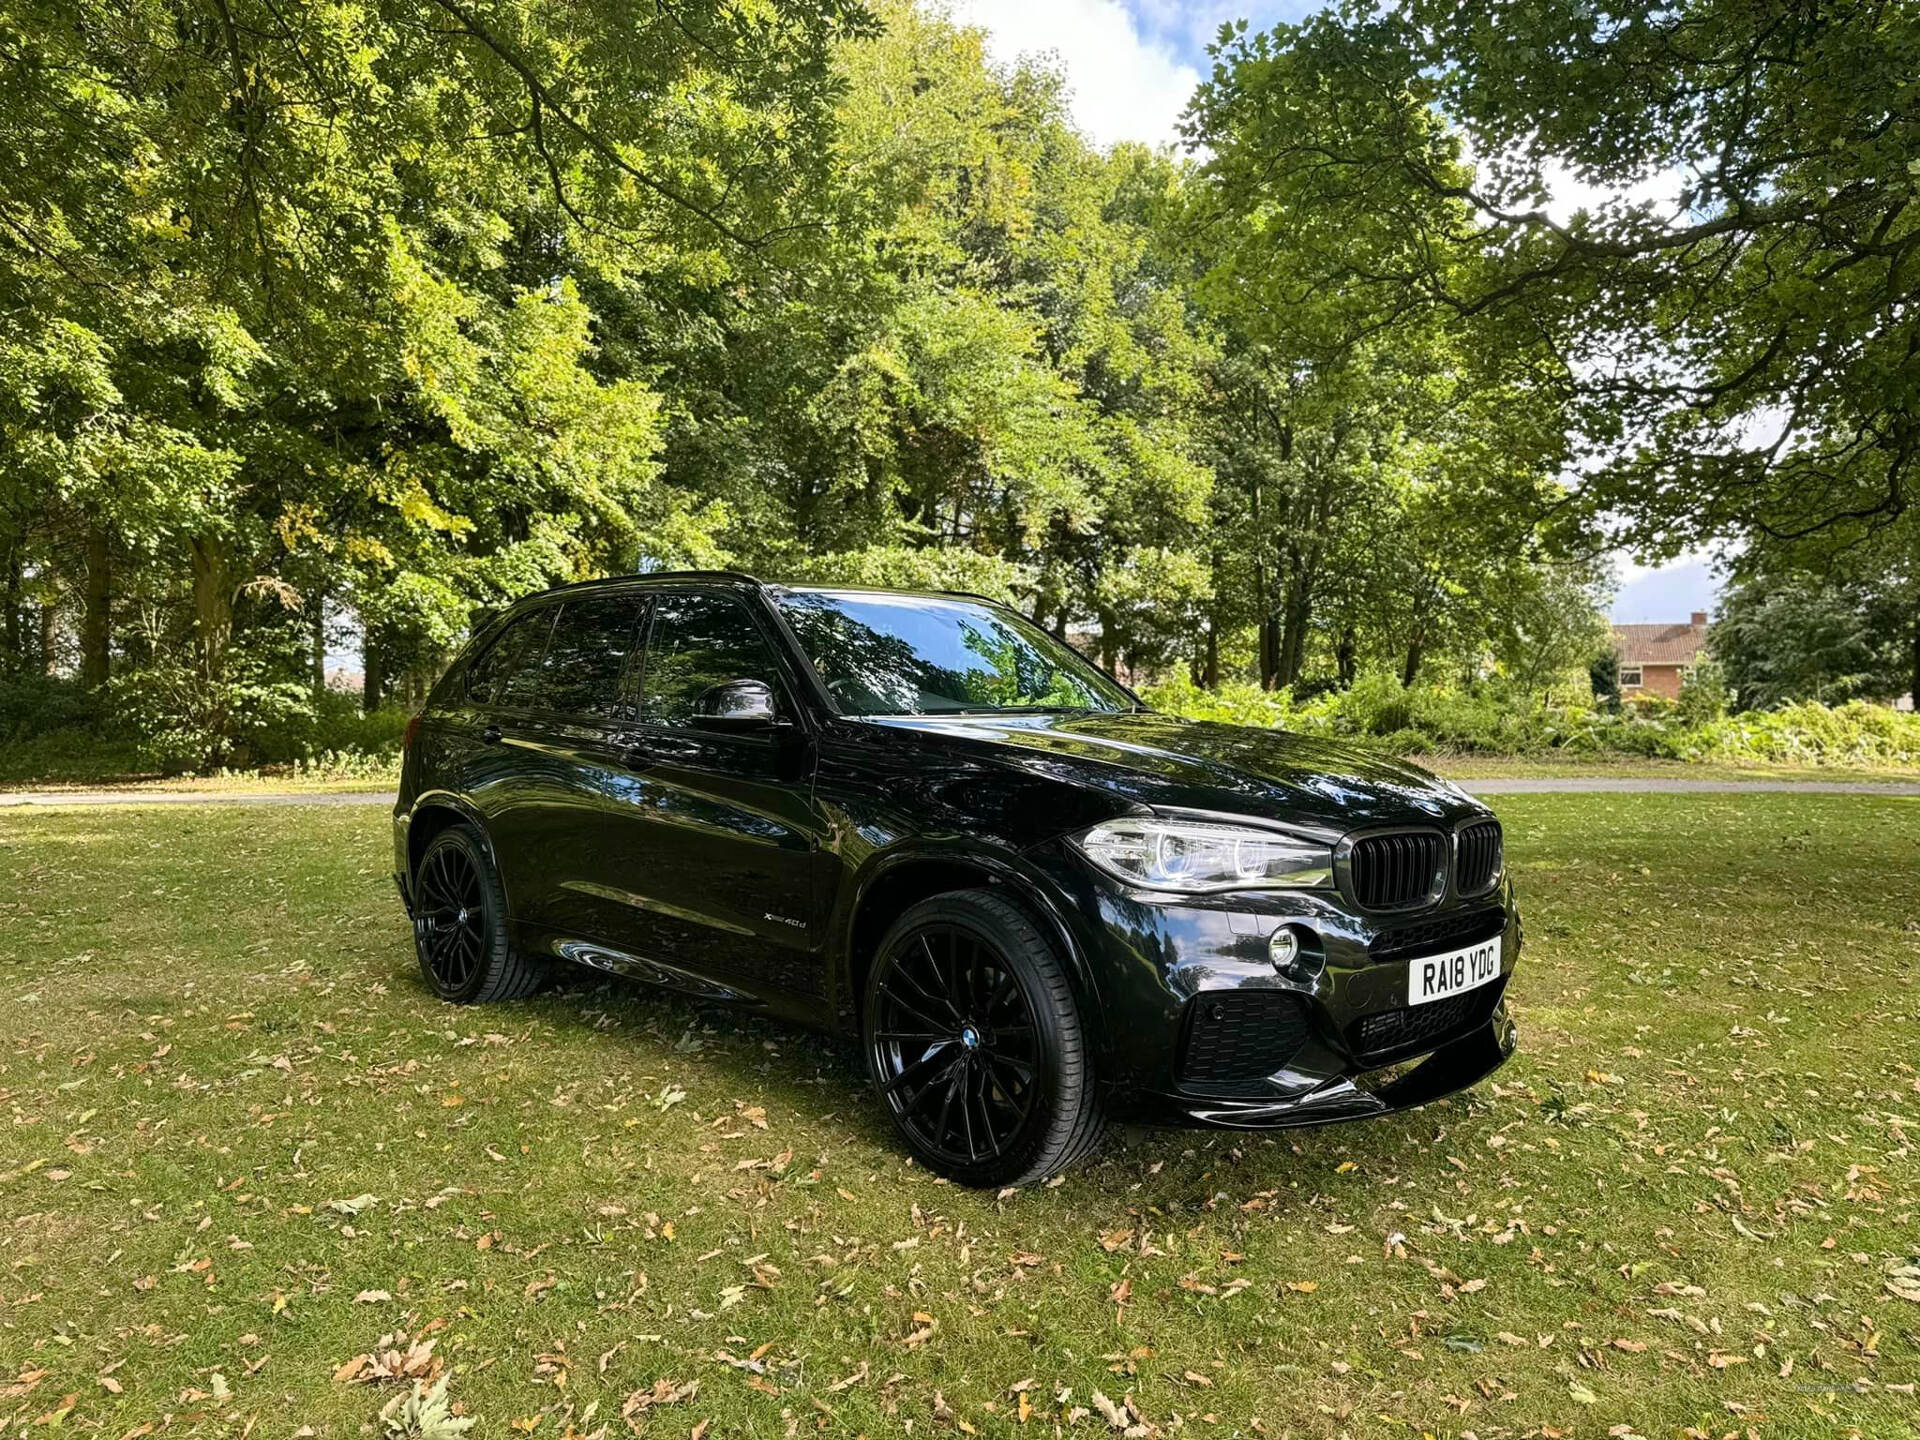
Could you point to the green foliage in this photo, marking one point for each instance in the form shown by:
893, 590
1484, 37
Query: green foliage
1704, 695
424, 1413
311, 305
329, 328
1782, 638
34, 704
1497, 718
1739, 355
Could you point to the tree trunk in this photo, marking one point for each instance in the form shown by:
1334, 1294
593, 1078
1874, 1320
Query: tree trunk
1410, 672
212, 605
12, 637
373, 678
96, 620
1295, 615
1269, 652
1344, 657
49, 636
317, 621
1210, 675
1913, 685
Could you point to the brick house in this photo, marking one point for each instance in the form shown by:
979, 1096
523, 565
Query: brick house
1656, 659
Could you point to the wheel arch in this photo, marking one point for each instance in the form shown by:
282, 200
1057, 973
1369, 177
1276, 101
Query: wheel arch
898, 879
440, 810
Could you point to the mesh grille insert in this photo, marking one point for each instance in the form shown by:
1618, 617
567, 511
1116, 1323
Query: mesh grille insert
1241, 1035
1395, 872
1444, 932
1394, 1034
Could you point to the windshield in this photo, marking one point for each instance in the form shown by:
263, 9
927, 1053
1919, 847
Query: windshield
881, 654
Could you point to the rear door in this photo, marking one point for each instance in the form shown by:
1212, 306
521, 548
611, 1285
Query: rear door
494, 726
729, 829
577, 791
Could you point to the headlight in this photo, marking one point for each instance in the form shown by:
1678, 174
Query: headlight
1193, 855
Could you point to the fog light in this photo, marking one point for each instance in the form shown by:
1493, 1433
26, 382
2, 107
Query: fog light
1283, 948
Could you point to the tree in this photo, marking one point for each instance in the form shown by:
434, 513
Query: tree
1740, 355
301, 295
1781, 638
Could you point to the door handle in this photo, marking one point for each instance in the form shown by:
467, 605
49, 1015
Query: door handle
491, 735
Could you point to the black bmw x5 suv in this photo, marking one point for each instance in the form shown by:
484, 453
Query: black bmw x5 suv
922, 819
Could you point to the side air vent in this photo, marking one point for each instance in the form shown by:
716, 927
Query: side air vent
1478, 855
1400, 871
1240, 1035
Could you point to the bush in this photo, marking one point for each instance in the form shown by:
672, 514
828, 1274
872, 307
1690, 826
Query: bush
35, 704
1489, 719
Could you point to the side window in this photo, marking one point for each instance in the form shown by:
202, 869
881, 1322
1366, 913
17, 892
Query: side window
506, 655
520, 684
699, 641
587, 654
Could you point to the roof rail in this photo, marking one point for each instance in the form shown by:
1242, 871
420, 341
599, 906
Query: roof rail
737, 575
975, 595
731, 576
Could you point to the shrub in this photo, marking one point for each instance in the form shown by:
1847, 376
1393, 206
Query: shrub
35, 704
1489, 719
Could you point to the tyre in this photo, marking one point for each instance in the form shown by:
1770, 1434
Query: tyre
460, 924
976, 1044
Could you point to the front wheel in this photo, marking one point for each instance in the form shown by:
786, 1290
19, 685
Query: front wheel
975, 1043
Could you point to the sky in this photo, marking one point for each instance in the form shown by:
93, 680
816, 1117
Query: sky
1132, 64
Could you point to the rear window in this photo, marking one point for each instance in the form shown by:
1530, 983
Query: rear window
588, 654
514, 651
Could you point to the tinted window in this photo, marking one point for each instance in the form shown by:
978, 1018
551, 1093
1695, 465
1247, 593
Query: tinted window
883, 654
507, 655
699, 641
586, 655
520, 681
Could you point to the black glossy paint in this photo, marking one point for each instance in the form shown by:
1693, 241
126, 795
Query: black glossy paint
760, 864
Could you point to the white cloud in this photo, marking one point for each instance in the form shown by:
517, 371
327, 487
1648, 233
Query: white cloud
1669, 592
1123, 86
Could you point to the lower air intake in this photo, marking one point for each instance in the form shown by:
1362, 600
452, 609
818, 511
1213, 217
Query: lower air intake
1397, 1034
1241, 1035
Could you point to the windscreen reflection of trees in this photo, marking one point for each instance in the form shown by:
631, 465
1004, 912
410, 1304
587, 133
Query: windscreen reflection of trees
874, 672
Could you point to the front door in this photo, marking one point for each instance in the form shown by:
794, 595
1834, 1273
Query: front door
722, 877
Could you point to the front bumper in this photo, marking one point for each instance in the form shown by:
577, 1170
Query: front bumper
1202, 1028
1355, 1095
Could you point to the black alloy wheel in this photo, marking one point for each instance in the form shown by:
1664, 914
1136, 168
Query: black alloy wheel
450, 918
974, 1042
459, 924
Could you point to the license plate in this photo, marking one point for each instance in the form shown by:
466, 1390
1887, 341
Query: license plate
1439, 976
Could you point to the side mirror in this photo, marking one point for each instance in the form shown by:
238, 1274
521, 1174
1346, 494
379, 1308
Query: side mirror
736, 705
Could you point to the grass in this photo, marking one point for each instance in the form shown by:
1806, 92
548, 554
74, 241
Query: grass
245, 1145
1625, 767
369, 779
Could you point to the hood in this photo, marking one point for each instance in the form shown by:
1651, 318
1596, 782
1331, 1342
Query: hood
1167, 762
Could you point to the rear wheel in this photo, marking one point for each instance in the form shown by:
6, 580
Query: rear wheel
975, 1043
460, 924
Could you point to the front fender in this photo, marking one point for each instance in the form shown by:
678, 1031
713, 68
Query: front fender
1023, 882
